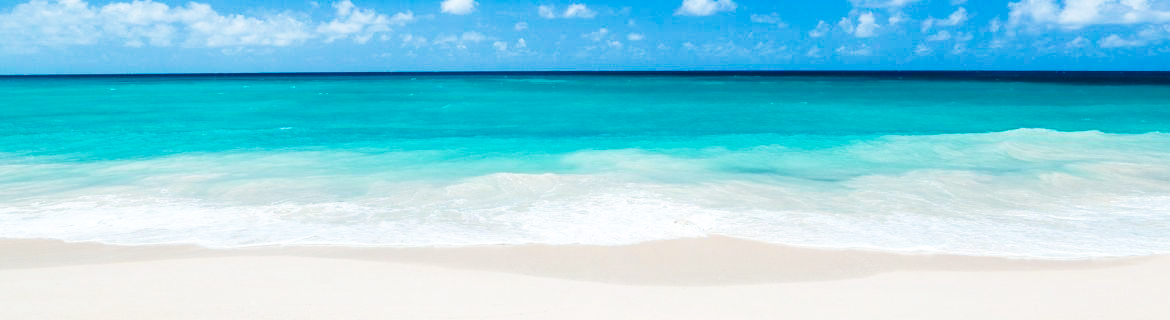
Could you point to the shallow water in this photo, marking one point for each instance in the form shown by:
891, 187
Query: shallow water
1021, 169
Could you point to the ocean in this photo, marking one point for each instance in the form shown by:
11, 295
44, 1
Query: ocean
1025, 165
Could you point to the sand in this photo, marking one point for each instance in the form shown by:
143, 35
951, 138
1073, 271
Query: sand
707, 278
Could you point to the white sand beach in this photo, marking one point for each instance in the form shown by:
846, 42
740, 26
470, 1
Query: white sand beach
707, 278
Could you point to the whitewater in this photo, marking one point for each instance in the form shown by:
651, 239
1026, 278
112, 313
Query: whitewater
989, 167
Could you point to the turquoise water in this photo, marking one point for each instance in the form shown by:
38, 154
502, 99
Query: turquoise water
1022, 169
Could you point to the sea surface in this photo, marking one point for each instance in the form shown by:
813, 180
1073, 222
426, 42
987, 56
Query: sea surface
1045, 165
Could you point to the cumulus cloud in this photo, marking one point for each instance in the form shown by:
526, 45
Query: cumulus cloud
820, 31
458, 7
881, 3
846, 25
596, 35
959, 48
923, 50
955, 19
897, 18
773, 18
472, 36
1076, 14
575, 10
520, 47
772, 49
547, 12
866, 26
402, 18
1116, 41
635, 37
409, 40
862, 50
701, 8
814, 52
520, 26
940, 36
358, 23
1079, 42
719, 49
39, 23
460, 41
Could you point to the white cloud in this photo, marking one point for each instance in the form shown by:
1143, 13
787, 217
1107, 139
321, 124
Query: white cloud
956, 18
923, 50
577, 10
138, 21
815, 52
460, 41
771, 48
358, 23
719, 49
635, 37
701, 8
614, 44
457, 7
36, 24
995, 25
209, 29
846, 25
1079, 42
959, 48
1116, 41
519, 47
546, 12
520, 26
1075, 14
862, 50
773, 18
402, 18
820, 31
866, 26
472, 36
940, 36
881, 3
413, 41
596, 35
897, 18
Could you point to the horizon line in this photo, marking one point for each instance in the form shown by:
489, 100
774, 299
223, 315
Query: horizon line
730, 71
1052, 76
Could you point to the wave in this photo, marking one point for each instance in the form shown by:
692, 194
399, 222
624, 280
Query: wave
1022, 193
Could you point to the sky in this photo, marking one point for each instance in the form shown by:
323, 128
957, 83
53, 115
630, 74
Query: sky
217, 36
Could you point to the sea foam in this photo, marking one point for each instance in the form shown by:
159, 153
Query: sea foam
1022, 193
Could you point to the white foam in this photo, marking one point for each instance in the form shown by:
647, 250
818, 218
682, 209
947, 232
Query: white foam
1031, 193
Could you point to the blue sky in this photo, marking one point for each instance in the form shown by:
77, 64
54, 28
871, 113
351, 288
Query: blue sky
163, 36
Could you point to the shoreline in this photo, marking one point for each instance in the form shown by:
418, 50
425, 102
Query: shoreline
699, 278
713, 260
